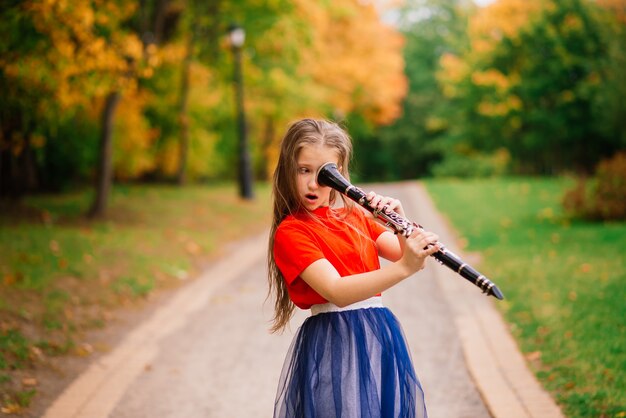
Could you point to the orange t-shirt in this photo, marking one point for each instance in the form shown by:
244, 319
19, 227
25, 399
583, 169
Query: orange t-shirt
348, 244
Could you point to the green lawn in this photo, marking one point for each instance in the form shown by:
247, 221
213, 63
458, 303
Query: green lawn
564, 283
61, 274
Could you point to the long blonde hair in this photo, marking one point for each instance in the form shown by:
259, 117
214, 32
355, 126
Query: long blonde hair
312, 132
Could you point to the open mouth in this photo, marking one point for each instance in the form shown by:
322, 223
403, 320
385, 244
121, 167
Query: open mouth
311, 197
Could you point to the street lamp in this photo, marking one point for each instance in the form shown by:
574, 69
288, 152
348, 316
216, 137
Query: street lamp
237, 36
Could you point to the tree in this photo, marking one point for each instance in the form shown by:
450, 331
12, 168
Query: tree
74, 55
150, 81
346, 64
21, 88
529, 82
409, 147
610, 108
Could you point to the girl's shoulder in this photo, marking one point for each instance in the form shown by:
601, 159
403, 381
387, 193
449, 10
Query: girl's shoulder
296, 228
294, 222
320, 218
322, 215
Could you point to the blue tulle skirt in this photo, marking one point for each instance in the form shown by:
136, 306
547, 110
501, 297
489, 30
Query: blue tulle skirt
349, 364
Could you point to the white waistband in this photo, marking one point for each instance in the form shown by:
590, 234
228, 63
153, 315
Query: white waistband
375, 302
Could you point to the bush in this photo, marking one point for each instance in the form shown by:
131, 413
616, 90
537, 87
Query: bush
604, 196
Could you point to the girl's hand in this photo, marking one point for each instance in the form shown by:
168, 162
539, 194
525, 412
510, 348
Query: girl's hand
385, 203
416, 248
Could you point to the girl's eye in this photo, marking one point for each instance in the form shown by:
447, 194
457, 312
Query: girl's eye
303, 170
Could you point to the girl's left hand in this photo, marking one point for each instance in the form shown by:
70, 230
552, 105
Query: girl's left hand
385, 203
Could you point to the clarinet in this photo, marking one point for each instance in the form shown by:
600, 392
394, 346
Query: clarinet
329, 175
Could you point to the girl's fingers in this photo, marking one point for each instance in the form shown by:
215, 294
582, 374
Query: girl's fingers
382, 202
389, 204
432, 249
424, 242
394, 204
373, 199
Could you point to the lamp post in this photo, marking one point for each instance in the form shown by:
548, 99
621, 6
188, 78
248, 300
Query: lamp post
237, 37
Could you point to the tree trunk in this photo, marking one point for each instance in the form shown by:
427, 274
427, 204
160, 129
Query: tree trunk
183, 117
104, 171
159, 20
29, 166
18, 171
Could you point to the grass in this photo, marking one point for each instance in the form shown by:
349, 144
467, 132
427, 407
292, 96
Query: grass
564, 283
61, 274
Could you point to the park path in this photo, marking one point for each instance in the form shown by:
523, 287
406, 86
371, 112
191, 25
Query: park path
207, 352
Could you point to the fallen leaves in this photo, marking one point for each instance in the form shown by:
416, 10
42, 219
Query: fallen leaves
85, 349
533, 356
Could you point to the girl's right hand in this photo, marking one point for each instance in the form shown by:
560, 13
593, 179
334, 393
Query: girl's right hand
416, 248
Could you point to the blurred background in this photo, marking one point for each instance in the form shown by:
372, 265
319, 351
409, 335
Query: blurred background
139, 135
425, 87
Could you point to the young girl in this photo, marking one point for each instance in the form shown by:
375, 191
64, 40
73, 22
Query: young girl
349, 359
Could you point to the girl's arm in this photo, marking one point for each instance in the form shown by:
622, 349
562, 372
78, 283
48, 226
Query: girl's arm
343, 291
387, 243
388, 246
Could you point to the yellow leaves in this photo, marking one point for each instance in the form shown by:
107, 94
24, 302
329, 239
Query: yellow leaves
77, 61
493, 78
453, 70
202, 149
500, 108
84, 349
499, 103
97, 47
65, 48
167, 160
618, 7
84, 14
209, 94
29, 381
436, 124
171, 53
499, 19
533, 356
133, 137
11, 408
354, 58
132, 47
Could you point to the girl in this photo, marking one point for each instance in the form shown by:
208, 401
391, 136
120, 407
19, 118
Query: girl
349, 359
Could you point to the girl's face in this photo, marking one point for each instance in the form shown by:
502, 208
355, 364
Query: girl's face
310, 159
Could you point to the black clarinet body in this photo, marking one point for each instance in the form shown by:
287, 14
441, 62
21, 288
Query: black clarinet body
329, 175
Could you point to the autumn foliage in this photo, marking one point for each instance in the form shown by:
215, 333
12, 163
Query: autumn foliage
63, 59
541, 79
